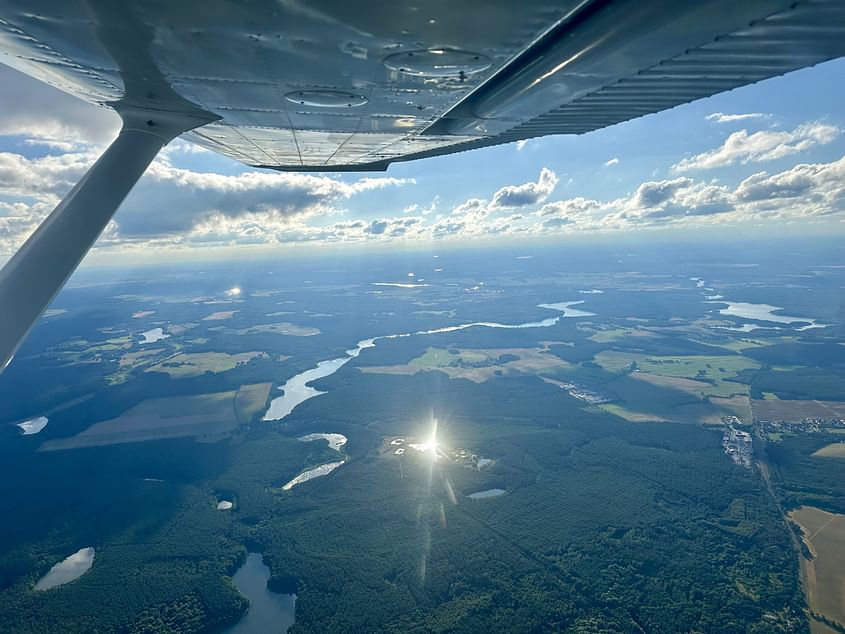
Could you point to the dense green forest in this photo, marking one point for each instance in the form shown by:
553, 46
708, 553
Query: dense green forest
605, 525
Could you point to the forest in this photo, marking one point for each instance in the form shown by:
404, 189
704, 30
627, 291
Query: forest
604, 526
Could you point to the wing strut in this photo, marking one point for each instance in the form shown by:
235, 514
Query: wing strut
34, 275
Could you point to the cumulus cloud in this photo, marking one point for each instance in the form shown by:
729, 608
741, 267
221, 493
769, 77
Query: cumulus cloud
424, 210
611, 162
169, 201
527, 193
721, 117
571, 208
805, 190
47, 116
765, 145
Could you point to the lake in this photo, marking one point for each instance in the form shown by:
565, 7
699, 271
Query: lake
268, 612
296, 390
153, 335
765, 312
336, 441
489, 493
316, 472
567, 310
34, 425
67, 570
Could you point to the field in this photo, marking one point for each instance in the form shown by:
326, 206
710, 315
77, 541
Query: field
220, 315
281, 328
824, 535
250, 400
792, 410
477, 365
712, 369
834, 450
186, 365
202, 416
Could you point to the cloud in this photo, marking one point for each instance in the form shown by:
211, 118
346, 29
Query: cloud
171, 201
656, 193
613, 161
417, 208
47, 116
392, 227
570, 208
527, 193
721, 117
44, 178
806, 190
766, 145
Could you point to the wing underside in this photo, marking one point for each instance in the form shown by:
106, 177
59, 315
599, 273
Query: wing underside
335, 85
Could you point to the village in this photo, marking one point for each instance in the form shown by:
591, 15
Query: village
738, 444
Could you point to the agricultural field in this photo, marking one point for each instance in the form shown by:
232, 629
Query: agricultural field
834, 450
185, 365
220, 315
281, 328
715, 370
207, 416
824, 571
477, 365
250, 400
796, 410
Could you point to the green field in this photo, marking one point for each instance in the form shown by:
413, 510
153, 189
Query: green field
715, 370
186, 365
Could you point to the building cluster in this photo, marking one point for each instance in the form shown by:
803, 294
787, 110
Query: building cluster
737, 443
468, 459
804, 426
593, 397
465, 457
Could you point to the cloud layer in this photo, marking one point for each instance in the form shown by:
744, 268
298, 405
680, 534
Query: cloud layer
765, 145
178, 205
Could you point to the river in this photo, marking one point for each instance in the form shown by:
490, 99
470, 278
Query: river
296, 389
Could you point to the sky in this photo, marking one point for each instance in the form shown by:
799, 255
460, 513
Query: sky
763, 160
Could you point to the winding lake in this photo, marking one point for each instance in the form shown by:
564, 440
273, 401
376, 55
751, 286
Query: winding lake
67, 570
296, 390
268, 612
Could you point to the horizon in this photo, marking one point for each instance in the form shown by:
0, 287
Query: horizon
728, 166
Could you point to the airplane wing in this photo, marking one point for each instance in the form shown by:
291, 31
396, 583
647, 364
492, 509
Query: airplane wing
336, 85
333, 85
